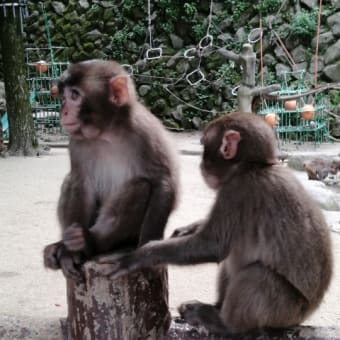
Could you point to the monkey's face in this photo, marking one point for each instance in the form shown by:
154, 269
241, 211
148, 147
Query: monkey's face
71, 101
96, 95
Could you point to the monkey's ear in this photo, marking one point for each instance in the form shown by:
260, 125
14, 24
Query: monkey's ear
119, 91
229, 144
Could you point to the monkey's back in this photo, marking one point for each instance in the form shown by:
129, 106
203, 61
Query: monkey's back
286, 228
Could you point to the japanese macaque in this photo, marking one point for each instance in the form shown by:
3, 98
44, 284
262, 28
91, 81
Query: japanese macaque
268, 236
123, 180
318, 168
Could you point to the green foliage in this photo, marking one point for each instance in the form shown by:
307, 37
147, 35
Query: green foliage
237, 9
270, 78
328, 9
128, 6
118, 43
228, 73
190, 9
266, 7
304, 25
139, 29
334, 97
199, 29
124, 28
175, 11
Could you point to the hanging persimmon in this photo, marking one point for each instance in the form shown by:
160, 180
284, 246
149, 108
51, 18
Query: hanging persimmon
308, 112
290, 105
41, 66
271, 119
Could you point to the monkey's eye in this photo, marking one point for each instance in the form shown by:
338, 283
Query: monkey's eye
75, 94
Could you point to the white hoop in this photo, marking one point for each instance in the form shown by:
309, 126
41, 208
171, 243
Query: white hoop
200, 79
128, 68
188, 51
234, 90
206, 42
257, 32
153, 53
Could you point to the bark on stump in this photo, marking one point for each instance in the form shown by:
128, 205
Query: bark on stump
134, 307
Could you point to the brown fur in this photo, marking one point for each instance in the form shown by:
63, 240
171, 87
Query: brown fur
270, 238
122, 185
318, 168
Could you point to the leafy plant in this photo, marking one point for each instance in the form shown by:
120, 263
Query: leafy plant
266, 7
228, 73
238, 8
334, 97
304, 25
190, 9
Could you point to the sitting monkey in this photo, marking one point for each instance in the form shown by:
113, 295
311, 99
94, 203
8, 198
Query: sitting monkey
269, 237
122, 184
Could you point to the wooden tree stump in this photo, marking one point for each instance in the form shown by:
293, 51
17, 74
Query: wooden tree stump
131, 308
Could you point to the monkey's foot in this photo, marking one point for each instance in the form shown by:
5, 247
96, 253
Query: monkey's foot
198, 313
193, 311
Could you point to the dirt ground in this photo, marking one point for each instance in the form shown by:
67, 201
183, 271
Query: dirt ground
29, 189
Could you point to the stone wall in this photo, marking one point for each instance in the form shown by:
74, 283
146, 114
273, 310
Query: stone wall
119, 30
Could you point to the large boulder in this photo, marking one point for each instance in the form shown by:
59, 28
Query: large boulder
334, 22
333, 71
332, 53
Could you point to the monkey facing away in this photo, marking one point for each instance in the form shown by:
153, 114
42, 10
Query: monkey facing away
122, 185
270, 239
318, 168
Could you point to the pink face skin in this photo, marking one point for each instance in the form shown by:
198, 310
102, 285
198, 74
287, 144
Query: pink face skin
71, 101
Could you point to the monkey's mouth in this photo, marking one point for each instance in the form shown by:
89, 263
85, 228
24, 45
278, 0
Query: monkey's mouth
71, 127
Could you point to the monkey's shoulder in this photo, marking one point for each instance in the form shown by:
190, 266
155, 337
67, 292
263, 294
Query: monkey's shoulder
274, 187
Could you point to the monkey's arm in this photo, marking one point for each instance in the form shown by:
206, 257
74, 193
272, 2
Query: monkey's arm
197, 248
119, 221
76, 211
77, 204
160, 205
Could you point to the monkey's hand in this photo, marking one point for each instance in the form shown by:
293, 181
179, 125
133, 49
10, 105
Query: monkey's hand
51, 258
188, 230
56, 257
74, 238
117, 265
70, 265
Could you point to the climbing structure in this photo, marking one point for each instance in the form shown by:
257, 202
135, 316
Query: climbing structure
41, 76
42, 73
299, 117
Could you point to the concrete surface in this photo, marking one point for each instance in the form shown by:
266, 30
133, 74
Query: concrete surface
33, 299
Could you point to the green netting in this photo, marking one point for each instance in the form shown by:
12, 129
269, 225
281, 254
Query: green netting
44, 66
291, 125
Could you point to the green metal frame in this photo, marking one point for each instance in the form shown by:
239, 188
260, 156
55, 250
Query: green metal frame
291, 126
45, 108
